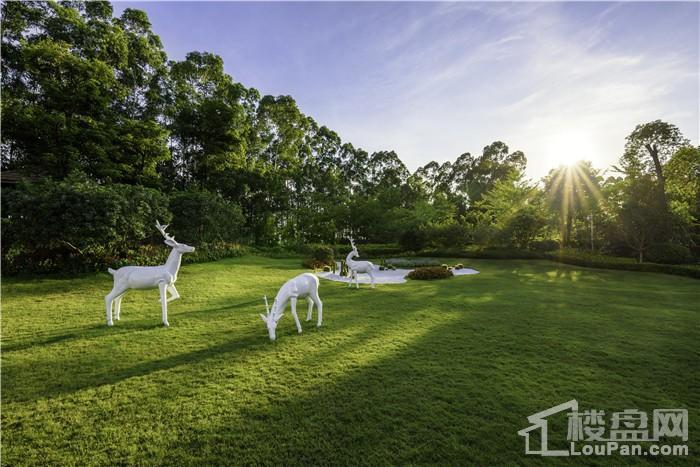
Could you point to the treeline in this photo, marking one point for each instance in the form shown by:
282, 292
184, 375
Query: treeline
110, 135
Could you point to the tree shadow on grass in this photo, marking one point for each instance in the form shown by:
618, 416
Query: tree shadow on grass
123, 326
78, 365
442, 398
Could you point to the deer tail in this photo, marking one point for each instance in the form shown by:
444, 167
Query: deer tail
111, 271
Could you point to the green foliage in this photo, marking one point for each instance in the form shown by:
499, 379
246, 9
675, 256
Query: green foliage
522, 228
76, 225
428, 273
323, 253
595, 260
414, 239
82, 90
413, 262
86, 91
202, 217
669, 253
321, 256
545, 245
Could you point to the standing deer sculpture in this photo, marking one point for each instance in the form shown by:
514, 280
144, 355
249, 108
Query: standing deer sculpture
146, 277
361, 267
302, 286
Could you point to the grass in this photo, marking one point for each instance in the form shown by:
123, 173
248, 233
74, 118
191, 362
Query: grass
441, 372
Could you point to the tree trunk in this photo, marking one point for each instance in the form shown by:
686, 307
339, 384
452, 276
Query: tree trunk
658, 168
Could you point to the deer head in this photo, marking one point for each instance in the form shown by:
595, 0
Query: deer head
271, 319
170, 240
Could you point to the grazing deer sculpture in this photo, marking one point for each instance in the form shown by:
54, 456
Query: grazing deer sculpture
302, 286
146, 277
361, 267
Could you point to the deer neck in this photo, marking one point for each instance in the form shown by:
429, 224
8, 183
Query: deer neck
173, 262
349, 259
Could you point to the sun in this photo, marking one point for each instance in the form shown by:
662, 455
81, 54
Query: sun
567, 147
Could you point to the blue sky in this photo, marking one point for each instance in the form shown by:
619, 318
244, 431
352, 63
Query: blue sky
559, 81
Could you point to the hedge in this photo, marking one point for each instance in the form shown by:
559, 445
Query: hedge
76, 225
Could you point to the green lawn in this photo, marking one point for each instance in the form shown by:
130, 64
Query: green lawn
439, 372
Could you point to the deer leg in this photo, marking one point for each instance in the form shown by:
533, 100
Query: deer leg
108, 304
173, 293
309, 313
293, 300
319, 308
164, 302
371, 276
118, 307
109, 298
350, 281
357, 281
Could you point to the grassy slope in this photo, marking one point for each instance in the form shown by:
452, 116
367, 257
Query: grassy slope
441, 372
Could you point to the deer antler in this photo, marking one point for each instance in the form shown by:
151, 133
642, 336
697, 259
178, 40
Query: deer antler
352, 242
267, 307
161, 229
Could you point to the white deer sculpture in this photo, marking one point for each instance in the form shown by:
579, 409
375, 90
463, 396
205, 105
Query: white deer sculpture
146, 277
302, 286
361, 267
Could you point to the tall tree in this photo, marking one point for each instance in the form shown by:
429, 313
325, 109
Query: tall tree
648, 148
81, 90
573, 191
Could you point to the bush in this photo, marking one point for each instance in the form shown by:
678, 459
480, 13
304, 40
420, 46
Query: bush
445, 266
326, 269
203, 217
76, 225
409, 263
545, 245
459, 266
311, 263
429, 273
449, 235
669, 253
323, 254
587, 259
413, 239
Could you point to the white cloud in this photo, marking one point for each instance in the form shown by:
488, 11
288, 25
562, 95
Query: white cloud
535, 86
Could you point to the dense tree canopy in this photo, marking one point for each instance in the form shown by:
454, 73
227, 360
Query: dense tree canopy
90, 100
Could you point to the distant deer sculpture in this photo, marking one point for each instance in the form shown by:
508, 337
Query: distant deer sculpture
302, 286
361, 267
146, 277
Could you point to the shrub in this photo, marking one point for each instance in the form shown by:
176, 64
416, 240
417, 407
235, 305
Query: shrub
449, 235
323, 254
203, 217
77, 225
445, 266
587, 259
311, 263
669, 253
407, 263
459, 266
429, 273
413, 239
326, 268
545, 245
